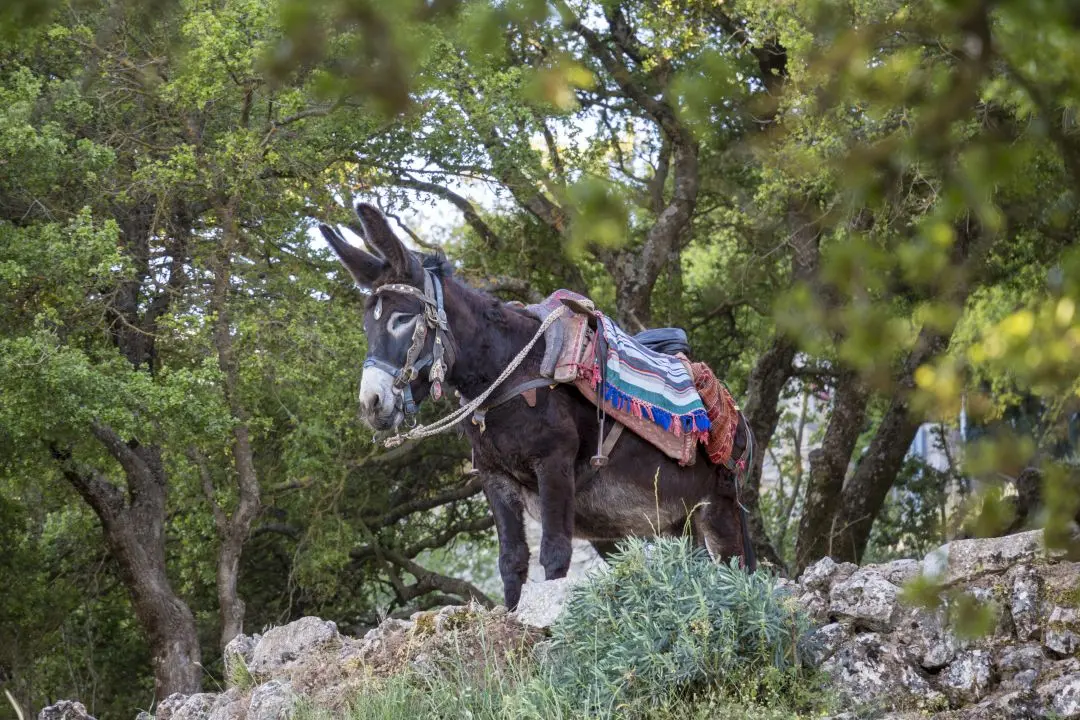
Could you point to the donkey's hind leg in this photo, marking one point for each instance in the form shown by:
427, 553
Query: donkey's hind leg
605, 549
507, 507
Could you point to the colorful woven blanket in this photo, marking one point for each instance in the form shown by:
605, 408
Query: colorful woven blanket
648, 384
639, 381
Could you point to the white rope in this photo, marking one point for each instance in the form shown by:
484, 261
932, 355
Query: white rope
444, 424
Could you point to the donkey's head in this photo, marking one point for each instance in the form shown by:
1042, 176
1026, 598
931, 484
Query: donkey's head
405, 326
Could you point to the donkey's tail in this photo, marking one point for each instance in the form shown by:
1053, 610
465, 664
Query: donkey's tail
749, 557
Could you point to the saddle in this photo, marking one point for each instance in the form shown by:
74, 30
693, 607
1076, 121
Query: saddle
576, 351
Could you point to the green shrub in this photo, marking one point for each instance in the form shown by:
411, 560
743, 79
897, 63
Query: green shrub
666, 623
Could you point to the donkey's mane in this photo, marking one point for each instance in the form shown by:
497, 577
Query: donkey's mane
438, 264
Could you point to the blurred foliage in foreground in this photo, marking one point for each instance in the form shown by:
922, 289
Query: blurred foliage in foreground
864, 213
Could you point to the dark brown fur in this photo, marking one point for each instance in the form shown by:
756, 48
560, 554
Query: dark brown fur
536, 459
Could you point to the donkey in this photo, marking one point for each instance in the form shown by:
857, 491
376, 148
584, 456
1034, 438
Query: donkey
533, 450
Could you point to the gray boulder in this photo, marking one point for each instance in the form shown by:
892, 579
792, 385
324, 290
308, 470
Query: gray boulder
966, 560
238, 655
542, 602
968, 677
932, 642
1024, 600
169, 706
283, 646
869, 671
65, 710
823, 643
1062, 633
866, 600
1019, 667
1062, 696
274, 700
821, 575
195, 707
897, 572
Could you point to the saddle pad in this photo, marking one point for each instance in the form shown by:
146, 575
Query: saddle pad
650, 385
677, 447
652, 394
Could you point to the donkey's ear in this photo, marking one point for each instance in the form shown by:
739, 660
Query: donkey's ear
365, 267
378, 234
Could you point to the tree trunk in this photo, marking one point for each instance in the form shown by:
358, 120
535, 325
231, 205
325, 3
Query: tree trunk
828, 466
134, 534
233, 531
762, 411
767, 380
864, 494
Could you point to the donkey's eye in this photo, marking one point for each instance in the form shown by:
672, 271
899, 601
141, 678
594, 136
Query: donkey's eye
399, 321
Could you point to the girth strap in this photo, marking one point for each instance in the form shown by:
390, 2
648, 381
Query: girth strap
480, 414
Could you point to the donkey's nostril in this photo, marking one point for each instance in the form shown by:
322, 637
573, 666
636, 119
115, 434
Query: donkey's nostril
375, 402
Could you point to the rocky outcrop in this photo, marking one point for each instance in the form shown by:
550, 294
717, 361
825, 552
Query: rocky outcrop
65, 710
885, 655
310, 660
890, 657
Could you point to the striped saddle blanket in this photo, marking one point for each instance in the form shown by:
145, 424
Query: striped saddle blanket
653, 394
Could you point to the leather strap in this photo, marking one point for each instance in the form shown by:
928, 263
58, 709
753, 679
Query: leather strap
529, 386
612, 437
433, 316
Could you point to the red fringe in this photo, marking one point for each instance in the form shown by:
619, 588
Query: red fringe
722, 411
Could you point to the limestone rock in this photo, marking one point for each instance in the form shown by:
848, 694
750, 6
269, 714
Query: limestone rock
868, 671
898, 572
1013, 705
195, 707
169, 706
823, 643
932, 642
542, 602
228, 706
987, 598
282, 646
274, 700
238, 655
1062, 696
1061, 635
1024, 601
815, 605
376, 639
821, 575
1019, 667
968, 677
965, 560
866, 600
65, 710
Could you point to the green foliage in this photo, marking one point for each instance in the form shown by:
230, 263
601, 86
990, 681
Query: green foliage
914, 519
666, 621
139, 137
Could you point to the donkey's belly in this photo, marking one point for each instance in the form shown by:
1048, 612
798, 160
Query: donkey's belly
612, 511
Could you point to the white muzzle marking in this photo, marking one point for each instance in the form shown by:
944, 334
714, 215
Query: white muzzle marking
377, 398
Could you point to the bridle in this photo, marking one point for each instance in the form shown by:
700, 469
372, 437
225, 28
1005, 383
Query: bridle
441, 357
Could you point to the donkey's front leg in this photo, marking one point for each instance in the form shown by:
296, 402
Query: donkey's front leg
555, 477
504, 496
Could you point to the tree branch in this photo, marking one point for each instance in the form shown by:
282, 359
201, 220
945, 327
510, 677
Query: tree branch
472, 217
474, 485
